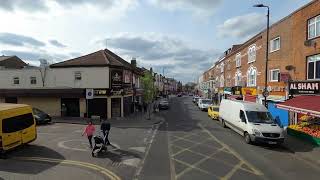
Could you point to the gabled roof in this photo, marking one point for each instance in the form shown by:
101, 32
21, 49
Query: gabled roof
99, 58
13, 62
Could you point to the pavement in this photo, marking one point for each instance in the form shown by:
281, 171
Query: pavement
200, 148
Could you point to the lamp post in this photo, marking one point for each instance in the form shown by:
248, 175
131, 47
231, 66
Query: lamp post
265, 92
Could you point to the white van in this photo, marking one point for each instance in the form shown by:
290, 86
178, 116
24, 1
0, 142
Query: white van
251, 120
204, 104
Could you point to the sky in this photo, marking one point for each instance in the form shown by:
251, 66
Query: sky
180, 38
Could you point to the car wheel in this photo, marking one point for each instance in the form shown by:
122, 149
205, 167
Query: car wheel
247, 138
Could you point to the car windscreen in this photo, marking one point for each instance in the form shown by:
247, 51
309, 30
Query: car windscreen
260, 117
206, 102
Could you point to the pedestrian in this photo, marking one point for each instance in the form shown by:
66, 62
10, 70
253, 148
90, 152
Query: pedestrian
89, 130
105, 128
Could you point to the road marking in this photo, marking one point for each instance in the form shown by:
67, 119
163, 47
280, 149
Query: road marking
172, 166
233, 170
131, 162
255, 170
100, 169
138, 149
62, 144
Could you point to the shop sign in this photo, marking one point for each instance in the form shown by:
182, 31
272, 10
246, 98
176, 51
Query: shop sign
127, 76
236, 90
116, 92
249, 91
227, 90
116, 79
101, 92
89, 93
304, 87
128, 91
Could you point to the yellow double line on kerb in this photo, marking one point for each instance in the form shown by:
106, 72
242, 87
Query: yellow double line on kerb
100, 169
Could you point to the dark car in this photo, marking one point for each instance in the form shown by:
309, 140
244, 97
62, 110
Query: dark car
163, 104
41, 117
179, 95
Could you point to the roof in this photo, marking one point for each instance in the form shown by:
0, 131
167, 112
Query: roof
302, 104
6, 106
12, 62
101, 58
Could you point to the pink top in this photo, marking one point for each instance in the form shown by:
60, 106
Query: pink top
90, 129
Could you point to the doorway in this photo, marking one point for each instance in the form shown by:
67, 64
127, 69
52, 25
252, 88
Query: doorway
116, 107
70, 107
97, 107
13, 100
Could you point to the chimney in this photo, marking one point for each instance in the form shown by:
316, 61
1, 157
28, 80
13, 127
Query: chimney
134, 62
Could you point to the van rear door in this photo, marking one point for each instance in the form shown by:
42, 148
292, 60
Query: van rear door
29, 129
11, 134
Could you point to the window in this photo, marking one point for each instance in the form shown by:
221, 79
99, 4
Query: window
16, 80
275, 44
238, 60
252, 76
77, 75
274, 75
17, 123
33, 80
238, 78
314, 27
221, 81
242, 116
314, 67
222, 67
252, 53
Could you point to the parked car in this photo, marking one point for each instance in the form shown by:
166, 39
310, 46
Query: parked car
179, 95
41, 117
163, 104
195, 99
203, 104
251, 120
213, 112
190, 94
198, 101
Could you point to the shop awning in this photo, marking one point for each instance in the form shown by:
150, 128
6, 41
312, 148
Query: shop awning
309, 105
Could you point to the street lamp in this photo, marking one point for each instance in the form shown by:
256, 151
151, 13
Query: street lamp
265, 92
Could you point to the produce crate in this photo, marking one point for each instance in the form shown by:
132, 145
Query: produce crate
304, 136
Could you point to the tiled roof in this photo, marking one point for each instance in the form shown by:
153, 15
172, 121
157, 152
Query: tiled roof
12, 62
100, 58
5, 57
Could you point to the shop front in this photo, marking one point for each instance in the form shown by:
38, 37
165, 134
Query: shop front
305, 110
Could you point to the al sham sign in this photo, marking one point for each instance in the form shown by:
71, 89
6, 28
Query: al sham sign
304, 87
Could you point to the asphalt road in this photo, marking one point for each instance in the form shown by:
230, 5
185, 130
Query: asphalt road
192, 146
60, 152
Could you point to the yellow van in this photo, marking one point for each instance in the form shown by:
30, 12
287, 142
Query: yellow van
17, 125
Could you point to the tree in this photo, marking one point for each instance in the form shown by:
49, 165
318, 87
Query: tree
148, 85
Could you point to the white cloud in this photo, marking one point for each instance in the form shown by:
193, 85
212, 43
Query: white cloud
199, 8
242, 26
176, 56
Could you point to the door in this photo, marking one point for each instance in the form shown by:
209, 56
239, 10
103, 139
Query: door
11, 133
97, 107
29, 129
242, 123
116, 107
127, 105
70, 107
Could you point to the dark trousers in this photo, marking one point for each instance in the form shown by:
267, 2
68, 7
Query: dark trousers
106, 134
90, 140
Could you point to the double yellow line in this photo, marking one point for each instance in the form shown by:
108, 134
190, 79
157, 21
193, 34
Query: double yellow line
100, 169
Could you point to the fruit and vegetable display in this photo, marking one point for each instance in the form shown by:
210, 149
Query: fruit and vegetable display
309, 125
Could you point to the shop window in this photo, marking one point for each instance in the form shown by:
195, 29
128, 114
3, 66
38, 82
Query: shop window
252, 54
275, 44
252, 77
274, 75
16, 81
314, 67
238, 60
77, 76
33, 80
314, 27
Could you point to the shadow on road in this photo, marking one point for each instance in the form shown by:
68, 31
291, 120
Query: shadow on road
13, 164
118, 155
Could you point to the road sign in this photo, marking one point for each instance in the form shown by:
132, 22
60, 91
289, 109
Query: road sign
266, 93
89, 93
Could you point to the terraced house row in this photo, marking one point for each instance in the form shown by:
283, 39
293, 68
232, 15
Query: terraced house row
294, 55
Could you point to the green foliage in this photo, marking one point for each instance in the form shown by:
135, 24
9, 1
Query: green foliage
148, 86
